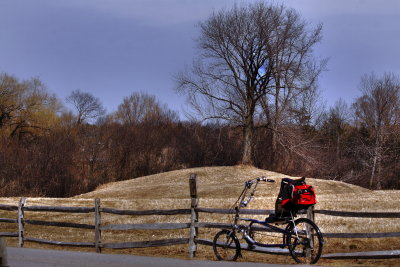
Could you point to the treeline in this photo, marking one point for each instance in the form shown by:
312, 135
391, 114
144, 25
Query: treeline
48, 150
73, 160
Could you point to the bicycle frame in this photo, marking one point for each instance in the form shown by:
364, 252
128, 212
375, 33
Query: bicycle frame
243, 203
272, 228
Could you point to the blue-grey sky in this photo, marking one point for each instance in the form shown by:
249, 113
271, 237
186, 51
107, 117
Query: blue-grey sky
112, 48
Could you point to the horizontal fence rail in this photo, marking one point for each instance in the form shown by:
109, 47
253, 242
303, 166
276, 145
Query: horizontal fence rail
59, 209
154, 226
146, 212
60, 243
232, 211
8, 234
382, 215
275, 251
361, 235
8, 207
60, 224
97, 211
146, 244
364, 255
6, 220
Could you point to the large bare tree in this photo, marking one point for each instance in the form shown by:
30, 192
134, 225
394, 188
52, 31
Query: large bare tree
254, 62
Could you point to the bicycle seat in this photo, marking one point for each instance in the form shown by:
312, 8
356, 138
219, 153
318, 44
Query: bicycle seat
272, 218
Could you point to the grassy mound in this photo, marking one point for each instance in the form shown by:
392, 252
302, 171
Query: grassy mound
219, 187
213, 182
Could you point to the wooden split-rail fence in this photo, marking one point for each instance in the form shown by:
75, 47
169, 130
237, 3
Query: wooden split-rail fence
193, 239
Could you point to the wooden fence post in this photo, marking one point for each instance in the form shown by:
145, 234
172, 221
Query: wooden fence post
97, 223
194, 215
310, 213
21, 222
3, 252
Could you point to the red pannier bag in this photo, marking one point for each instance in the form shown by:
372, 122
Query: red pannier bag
303, 195
294, 195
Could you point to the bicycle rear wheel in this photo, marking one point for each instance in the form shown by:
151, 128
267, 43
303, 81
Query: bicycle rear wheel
226, 245
305, 241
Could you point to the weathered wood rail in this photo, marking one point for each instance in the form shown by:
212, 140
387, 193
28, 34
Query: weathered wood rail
97, 211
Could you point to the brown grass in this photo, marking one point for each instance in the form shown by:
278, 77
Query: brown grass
218, 187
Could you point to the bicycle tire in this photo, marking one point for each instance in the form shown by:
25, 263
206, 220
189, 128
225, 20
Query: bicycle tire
305, 241
226, 246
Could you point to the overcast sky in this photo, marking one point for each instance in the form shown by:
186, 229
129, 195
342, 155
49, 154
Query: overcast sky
112, 48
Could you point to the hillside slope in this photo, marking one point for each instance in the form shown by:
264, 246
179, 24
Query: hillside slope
217, 187
211, 181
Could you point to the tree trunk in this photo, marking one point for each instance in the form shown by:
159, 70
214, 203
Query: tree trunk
376, 161
276, 122
272, 152
247, 158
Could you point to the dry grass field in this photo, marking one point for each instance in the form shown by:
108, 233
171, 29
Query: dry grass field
218, 187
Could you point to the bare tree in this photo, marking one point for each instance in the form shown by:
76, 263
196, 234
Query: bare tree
87, 106
378, 111
254, 60
142, 107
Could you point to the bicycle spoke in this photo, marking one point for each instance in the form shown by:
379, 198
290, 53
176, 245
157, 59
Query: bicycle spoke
226, 246
305, 242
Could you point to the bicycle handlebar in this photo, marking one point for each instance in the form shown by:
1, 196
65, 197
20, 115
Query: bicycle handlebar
259, 179
268, 180
248, 184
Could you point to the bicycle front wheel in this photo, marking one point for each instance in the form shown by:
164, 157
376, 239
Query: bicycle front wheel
305, 241
226, 245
